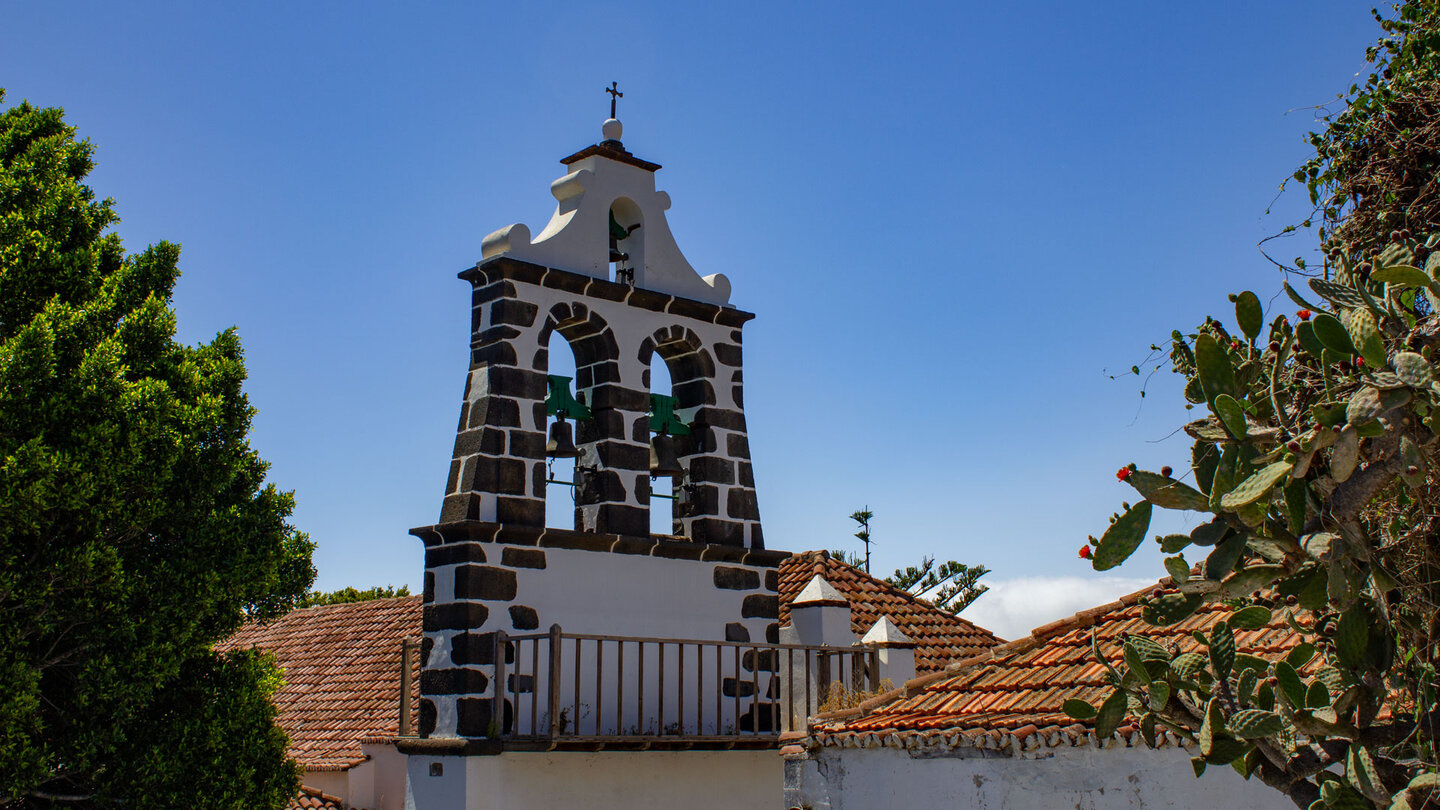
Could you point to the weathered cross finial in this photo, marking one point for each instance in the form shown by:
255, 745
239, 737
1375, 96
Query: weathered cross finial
614, 94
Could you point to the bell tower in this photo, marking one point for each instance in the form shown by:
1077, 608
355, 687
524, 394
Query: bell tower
605, 274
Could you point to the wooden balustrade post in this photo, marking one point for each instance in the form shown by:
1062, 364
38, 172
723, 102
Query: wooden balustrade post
497, 714
553, 680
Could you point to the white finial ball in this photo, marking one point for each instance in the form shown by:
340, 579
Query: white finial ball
611, 129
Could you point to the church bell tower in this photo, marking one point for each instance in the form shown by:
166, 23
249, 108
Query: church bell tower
606, 274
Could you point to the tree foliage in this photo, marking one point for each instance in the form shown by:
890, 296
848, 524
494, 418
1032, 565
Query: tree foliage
136, 528
951, 587
351, 594
1318, 461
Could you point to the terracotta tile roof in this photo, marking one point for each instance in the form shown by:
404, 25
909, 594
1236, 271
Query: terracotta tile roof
1011, 697
312, 799
939, 637
342, 675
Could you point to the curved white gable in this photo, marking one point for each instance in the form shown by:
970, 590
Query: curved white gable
577, 236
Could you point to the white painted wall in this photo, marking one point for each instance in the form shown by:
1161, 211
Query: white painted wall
336, 783
378, 783
577, 236
693, 780
1085, 778
632, 595
386, 779
602, 593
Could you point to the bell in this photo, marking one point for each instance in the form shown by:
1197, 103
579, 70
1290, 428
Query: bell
562, 441
663, 461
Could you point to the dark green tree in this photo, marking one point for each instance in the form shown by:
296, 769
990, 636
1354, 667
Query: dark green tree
136, 527
351, 594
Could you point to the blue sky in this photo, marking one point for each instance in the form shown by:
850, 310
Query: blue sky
953, 221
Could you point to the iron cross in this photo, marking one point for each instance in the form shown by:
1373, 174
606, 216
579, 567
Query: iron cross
614, 94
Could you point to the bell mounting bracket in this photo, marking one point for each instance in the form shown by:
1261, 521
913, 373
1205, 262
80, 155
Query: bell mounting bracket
663, 418
559, 402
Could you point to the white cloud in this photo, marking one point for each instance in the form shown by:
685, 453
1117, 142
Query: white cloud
1014, 607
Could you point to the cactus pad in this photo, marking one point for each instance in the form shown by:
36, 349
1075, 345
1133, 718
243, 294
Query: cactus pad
1329, 413
1346, 454
1257, 486
1232, 415
1178, 568
1123, 537
1341, 296
1222, 560
1295, 505
1111, 712
1332, 333
1171, 608
1305, 333
1212, 362
1254, 723
1186, 665
1401, 274
1352, 636
1290, 684
1173, 543
1249, 314
1297, 298
1208, 534
1079, 709
1414, 370
1365, 335
1148, 648
1166, 493
1364, 406
1386, 381
1250, 618
1222, 650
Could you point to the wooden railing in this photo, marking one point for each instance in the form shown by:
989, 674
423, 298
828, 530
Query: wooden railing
574, 686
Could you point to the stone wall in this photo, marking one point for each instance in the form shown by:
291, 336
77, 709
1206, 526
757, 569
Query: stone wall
1113, 778
616, 331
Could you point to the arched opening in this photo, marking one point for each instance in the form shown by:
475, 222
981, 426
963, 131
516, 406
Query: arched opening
627, 243
662, 488
560, 472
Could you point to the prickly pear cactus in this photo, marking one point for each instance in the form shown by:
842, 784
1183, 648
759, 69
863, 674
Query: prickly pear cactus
1313, 466
1312, 471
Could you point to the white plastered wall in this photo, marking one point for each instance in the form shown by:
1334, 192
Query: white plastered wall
604, 593
336, 783
694, 780
1082, 777
577, 236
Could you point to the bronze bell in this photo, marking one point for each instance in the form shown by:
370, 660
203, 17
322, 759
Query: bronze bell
562, 441
663, 461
